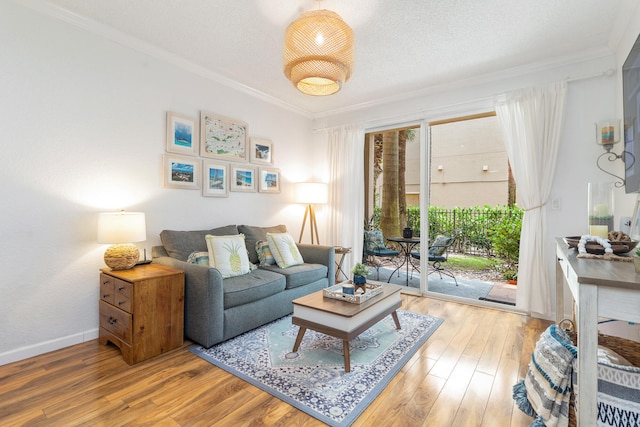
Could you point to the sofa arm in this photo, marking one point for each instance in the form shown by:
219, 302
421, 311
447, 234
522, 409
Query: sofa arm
203, 301
317, 254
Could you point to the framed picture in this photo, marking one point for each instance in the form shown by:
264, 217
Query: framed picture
182, 134
634, 230
269, 180
215, 179
180, 172
261, 151
242, 178
223, 138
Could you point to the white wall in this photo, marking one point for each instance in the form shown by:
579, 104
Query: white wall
83, 131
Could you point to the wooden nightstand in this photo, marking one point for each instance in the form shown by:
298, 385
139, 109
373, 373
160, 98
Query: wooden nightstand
142, 310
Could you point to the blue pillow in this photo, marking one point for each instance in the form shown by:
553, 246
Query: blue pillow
200, 258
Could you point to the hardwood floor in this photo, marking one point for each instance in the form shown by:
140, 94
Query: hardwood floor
462, 376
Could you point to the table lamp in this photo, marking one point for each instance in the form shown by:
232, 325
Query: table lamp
311, 193
121, 229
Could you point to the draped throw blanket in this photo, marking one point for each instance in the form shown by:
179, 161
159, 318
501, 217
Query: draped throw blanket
545, 391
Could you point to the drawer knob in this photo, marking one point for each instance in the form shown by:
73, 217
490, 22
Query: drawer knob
106, 282
120, 302
105, 295
121, 288
112, 321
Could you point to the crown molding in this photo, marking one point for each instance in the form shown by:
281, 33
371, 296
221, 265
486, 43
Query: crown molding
511, 73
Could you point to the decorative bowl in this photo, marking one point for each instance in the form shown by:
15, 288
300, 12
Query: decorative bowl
594, 248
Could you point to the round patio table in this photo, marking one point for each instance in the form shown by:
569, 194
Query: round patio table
407, 246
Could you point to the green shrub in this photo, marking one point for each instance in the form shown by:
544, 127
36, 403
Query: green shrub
505, 236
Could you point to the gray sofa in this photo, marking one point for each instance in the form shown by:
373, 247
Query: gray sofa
217, 309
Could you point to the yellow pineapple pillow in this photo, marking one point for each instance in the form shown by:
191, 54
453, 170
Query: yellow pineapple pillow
284, 249
228, 254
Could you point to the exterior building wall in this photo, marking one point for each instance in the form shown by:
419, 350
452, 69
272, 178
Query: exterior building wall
459, 153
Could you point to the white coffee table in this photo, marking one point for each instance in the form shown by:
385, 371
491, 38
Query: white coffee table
342, 319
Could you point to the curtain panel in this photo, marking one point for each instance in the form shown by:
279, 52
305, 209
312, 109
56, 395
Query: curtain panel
346, 190
531, 121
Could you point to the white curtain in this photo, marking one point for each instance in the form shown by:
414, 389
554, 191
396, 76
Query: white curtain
531, 121
346, 190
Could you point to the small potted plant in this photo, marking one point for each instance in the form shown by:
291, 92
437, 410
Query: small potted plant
360, 273
636, 261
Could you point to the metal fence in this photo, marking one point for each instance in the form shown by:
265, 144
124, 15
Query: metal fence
469, 227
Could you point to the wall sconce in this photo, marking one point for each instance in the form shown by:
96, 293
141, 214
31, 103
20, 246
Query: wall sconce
121, 229
311, 193
485, 168
440, 167
608, 134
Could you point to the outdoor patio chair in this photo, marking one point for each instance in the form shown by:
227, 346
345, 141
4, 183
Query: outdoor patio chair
375, 249
438, 255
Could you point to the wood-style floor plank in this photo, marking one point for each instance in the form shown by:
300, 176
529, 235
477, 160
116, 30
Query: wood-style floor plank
462, 376
447, 405
499, 413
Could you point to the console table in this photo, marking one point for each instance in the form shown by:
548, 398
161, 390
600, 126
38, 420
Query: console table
609, 289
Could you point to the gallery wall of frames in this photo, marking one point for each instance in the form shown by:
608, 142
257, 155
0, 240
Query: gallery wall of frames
217, 156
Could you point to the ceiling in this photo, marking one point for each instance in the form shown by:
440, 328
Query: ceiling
401, 46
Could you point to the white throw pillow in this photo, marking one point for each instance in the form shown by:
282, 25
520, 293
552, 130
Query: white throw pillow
228, 254
284, 249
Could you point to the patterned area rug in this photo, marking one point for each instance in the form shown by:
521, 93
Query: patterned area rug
313, 379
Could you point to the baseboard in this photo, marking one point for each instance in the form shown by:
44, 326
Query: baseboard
46, 346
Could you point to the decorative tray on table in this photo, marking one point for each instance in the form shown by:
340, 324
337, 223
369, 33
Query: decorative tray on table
592, 247
335, 292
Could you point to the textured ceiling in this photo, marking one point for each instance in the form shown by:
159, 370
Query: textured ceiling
401, 45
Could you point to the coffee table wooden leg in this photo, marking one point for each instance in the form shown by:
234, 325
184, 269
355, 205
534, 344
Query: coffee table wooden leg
395, 319
347, 358
301, 332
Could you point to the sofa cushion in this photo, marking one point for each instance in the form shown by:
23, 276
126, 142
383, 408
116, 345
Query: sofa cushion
284, 249
228, 254
257, 285
253, 234
180, 244
264, 253
299, 275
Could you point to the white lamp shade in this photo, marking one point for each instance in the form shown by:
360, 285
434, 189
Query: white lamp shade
312, 192
121, 227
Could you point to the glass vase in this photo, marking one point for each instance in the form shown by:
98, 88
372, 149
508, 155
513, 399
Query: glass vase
600, 211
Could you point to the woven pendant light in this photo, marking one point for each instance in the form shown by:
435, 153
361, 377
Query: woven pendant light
318, 52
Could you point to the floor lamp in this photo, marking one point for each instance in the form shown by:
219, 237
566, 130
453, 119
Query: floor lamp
311, 193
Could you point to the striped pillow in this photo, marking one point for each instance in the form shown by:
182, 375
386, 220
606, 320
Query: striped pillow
264, 253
